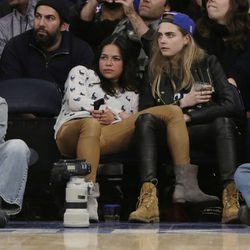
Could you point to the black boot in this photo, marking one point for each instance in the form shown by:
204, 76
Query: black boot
148, 130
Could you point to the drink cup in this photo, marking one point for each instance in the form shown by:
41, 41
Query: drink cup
111, 212
202, 86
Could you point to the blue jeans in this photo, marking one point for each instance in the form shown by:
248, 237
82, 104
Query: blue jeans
14, 159
242, 181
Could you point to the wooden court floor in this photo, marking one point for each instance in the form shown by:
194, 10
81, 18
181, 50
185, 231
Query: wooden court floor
114, 236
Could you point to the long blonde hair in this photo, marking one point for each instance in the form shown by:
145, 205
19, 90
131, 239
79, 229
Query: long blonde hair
160, 64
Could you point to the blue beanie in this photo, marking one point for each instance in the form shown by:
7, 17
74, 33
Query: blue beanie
179, 19
60, 6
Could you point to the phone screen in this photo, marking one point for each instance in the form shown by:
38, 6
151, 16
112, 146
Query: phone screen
98, 103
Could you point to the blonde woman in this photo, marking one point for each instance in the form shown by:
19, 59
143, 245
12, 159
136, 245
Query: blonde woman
182, 74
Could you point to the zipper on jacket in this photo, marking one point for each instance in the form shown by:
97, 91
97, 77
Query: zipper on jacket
46, 57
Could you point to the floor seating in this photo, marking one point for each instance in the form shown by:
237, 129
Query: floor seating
117, 173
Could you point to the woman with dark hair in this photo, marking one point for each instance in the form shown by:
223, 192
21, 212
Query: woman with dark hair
182, 73
224, 31
86, 131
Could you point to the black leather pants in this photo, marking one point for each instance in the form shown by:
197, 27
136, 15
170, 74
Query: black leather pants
150, 135
220, 137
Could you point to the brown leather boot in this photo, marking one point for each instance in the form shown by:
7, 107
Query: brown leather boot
230, 204
147, 209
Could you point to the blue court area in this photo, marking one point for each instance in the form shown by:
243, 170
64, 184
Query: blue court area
56, 227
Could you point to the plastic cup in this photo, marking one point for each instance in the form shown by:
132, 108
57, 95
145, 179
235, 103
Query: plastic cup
111, 212
202, 86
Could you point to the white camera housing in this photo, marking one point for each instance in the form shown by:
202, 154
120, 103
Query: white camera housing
77, 191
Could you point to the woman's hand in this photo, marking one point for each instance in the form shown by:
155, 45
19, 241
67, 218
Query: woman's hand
195, 97
232, 81
105, 117
187, 118
123, 115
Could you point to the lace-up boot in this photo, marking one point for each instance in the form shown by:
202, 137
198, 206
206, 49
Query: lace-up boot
231, 204
147, 208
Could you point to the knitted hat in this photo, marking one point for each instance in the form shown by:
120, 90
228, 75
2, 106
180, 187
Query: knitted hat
60, 6
179, 19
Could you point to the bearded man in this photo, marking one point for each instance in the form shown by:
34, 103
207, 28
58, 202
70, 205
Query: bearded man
48, 51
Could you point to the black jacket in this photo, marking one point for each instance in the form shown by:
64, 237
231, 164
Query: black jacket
222, 103
93, 32
21, 58
235, 61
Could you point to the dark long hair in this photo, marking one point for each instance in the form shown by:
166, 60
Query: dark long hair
237, 23
127, 79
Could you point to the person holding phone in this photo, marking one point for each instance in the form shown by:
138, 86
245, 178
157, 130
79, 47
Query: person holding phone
84, 132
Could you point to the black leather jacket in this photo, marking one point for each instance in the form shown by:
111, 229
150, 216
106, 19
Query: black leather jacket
208, 70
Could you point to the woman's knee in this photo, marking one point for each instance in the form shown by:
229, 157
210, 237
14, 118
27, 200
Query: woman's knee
166, 112
174, 112
148, 122
91, 127
145, 120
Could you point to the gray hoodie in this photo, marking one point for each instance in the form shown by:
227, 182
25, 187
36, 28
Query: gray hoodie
3, 119
15, 23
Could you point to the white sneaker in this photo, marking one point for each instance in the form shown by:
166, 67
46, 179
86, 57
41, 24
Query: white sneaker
92, 204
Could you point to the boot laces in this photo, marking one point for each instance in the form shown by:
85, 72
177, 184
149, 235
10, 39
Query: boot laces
232, 198
145, 199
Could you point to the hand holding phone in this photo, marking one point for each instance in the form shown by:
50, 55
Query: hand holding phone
98, 103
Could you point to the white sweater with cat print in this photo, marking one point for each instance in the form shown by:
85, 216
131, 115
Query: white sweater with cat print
82, 89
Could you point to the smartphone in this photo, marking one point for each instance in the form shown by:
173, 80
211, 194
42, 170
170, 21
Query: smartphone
98, 103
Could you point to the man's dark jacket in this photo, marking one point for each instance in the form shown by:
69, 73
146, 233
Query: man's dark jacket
22, 58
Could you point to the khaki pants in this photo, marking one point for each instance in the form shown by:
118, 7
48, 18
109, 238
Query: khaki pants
86, 138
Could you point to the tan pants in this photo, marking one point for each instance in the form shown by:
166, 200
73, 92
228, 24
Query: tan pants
86, 138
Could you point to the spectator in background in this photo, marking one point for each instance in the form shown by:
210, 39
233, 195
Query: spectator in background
242, 176
93, 26
135, 25
14, 159
192, 8
18, 21
47, 51
4, 8
224, 31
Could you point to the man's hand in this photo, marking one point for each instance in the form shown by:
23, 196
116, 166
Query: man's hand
128, 6
139, 26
